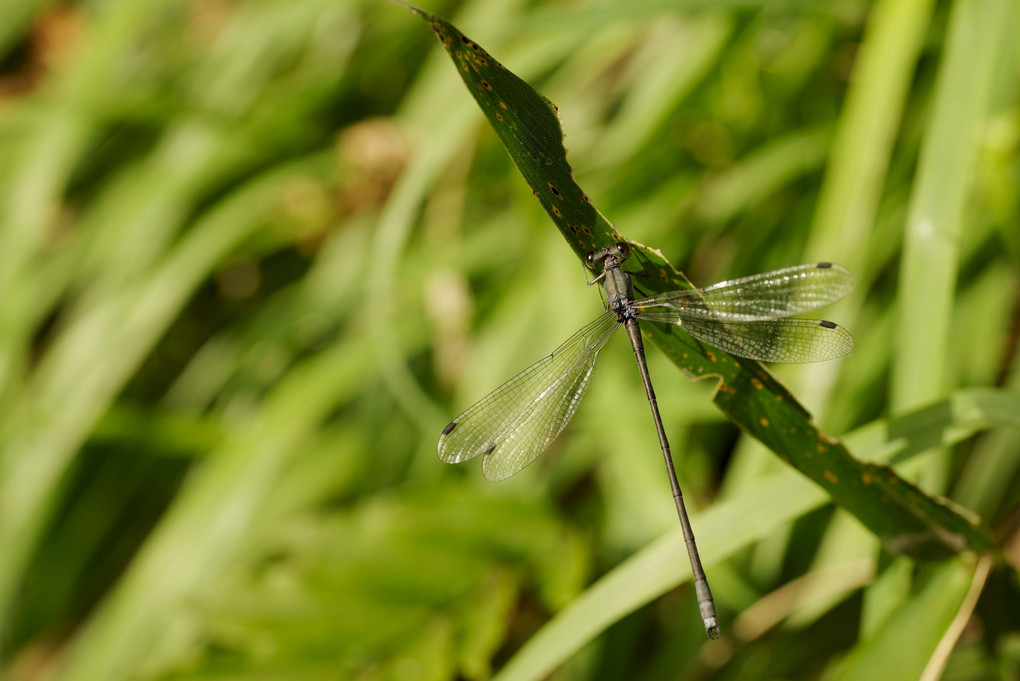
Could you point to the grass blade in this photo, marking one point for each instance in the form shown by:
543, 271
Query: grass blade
734, 524
932, 241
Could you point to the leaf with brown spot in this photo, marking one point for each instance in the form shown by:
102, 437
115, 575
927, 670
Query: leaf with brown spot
908, 520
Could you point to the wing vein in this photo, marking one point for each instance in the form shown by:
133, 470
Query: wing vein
517, 421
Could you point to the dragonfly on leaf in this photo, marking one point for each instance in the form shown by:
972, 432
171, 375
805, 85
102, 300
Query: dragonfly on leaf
748, 317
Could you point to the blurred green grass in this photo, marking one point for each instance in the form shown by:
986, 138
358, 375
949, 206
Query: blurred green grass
253, 256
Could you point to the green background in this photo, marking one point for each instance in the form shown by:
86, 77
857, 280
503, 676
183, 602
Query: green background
255, 255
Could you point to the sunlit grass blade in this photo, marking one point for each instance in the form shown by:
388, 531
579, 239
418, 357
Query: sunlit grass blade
866, 132
931, 248
917, 638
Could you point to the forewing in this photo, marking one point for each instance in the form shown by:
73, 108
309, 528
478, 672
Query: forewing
774, 340
520, 419
780, 293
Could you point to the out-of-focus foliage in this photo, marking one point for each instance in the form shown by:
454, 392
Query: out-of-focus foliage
254, 256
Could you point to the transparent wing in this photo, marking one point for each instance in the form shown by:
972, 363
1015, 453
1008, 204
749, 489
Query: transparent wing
518, 421
774, 340
769, 295
745, 316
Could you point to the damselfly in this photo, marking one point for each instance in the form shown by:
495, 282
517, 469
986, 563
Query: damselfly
747, 317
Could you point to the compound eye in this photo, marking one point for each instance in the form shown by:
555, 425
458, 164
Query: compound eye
624, 249
594, 259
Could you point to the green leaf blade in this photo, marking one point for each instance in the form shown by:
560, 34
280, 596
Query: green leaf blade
528, 124
908, 520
